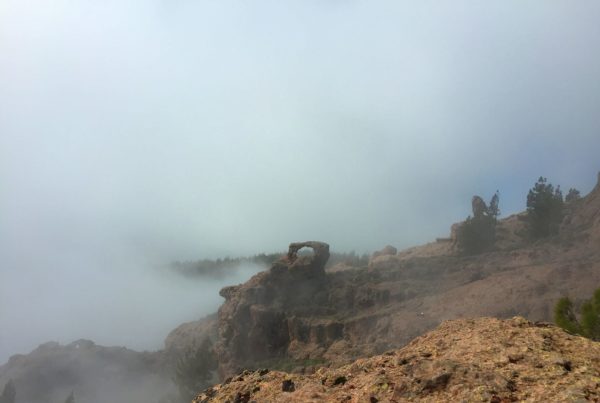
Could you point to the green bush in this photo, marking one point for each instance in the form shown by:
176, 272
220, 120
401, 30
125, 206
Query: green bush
544, 209
588, 324
564, 316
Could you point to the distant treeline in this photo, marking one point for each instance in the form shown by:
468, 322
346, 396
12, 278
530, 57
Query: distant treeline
226, 266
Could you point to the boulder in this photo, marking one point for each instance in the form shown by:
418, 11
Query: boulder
388, 250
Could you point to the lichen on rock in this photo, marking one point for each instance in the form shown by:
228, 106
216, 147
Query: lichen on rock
483, 359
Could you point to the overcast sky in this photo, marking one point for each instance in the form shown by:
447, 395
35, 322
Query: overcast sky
137, 132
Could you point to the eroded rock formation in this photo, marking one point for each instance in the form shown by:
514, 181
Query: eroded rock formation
190, 335
478, 206
320, 252
260, 318
388, 250
298, 313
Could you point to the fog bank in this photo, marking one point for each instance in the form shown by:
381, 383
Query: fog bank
134, 133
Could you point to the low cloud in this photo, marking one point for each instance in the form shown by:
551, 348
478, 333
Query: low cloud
137, 133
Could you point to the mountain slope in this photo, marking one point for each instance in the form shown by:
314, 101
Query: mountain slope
298, 316
485, 359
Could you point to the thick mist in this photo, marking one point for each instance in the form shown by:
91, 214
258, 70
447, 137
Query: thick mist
123, 301
134, 133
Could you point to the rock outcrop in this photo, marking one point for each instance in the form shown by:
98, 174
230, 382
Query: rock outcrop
190, 335
581, 224
388, 250
259, 319
485, 359
478, 206
379, 257
315, 263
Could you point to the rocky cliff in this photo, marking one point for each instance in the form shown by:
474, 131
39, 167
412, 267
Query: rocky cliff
485, 359
189, 336
261, 318
297, 316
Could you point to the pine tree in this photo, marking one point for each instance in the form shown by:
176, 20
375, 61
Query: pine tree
544, 209
70, 398
493, 209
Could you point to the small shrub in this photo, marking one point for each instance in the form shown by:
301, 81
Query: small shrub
564, 316
588, 324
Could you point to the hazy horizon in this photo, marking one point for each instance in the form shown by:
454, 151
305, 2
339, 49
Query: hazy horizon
134, 133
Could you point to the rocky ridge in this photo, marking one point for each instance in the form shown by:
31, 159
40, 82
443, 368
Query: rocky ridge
483, 359
298, 316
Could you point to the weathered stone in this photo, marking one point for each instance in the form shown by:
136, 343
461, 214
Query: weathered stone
320, 249
388, 250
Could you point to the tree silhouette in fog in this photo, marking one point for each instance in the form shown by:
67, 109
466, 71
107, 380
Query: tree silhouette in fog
544, 209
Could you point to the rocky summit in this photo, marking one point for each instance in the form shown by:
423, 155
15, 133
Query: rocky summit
465, 360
